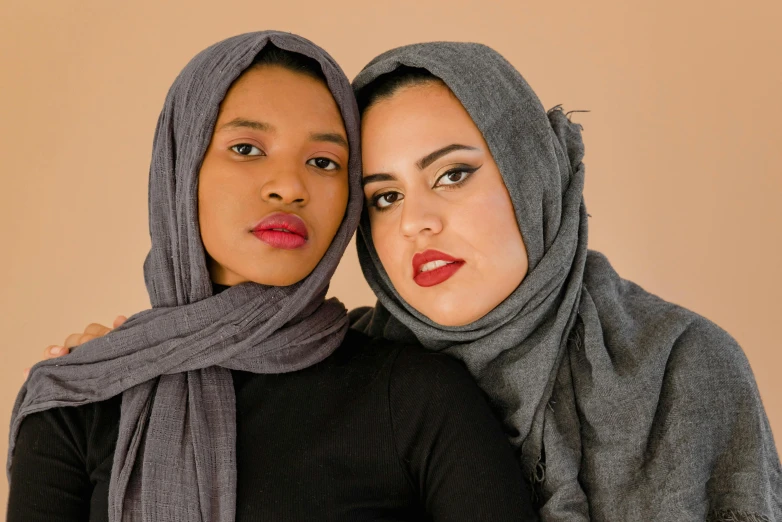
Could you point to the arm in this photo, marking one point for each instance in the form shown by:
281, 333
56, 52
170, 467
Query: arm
48, 478
452, 446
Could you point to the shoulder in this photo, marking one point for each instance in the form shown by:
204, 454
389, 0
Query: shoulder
78, 420
359, 348
708, 351
406, 365
431, 369
433, 378
707, 371
73, 431
644, 320
359, 359
701, 359
359, 317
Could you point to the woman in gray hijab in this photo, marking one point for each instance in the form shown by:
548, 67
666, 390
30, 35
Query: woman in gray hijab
241, 395
474, 239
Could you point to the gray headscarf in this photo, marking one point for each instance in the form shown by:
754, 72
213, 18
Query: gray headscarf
175, 455
623, 406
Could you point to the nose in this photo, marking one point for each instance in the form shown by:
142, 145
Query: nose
420, 217
286, 186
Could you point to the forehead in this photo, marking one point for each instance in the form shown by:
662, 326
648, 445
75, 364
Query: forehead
274, 91
416, 119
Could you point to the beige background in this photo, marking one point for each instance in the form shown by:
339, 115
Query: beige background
683, 138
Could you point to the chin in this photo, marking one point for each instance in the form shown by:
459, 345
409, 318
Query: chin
452, 322
278, 279
261, 269
448, 313
276, 274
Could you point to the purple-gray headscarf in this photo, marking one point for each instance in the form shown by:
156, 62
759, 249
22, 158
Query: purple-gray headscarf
175, 455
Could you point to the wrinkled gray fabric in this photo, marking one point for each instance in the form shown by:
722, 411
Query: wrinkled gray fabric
175, 454
623, 406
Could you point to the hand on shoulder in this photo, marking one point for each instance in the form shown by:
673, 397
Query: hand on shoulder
92, 331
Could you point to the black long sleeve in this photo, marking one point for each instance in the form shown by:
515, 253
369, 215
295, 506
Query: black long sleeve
374, 432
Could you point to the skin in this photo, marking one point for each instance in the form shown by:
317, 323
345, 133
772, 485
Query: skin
279, 145
457, 204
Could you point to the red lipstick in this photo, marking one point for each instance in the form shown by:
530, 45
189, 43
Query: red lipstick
432, 267
281, 230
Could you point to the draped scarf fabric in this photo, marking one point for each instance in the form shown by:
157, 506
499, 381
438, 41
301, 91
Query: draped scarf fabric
623, 406
175, 455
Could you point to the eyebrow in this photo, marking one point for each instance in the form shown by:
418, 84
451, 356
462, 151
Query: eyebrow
421, 164
374, 178
439, 153
331, 137
248, 124
237, 123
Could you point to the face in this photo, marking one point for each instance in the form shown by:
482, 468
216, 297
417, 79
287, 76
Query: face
442, 220
273, 186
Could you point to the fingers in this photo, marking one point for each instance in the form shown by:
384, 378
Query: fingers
54, 351
93, 331
51, 352
87, 337
73, 340
96, 330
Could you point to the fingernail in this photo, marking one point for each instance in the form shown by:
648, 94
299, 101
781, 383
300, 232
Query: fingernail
26, 372
56, 350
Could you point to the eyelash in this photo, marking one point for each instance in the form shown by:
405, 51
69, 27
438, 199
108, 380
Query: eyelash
336, 165
309, 162
234, 147
456, 185
458, 170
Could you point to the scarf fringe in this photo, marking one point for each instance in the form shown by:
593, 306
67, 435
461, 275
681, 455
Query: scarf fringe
730, 515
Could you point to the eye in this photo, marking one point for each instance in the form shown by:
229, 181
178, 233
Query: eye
245, 149
385, 200
323, 164
453, 177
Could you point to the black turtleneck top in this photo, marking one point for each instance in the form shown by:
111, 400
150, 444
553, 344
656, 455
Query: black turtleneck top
376, 431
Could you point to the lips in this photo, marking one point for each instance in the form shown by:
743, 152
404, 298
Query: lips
432, 267
281, 230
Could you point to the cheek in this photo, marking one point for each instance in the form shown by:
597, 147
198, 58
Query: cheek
227, 203
386, 238
207, 201
209, 216
216, 199
330, 206
497, 244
